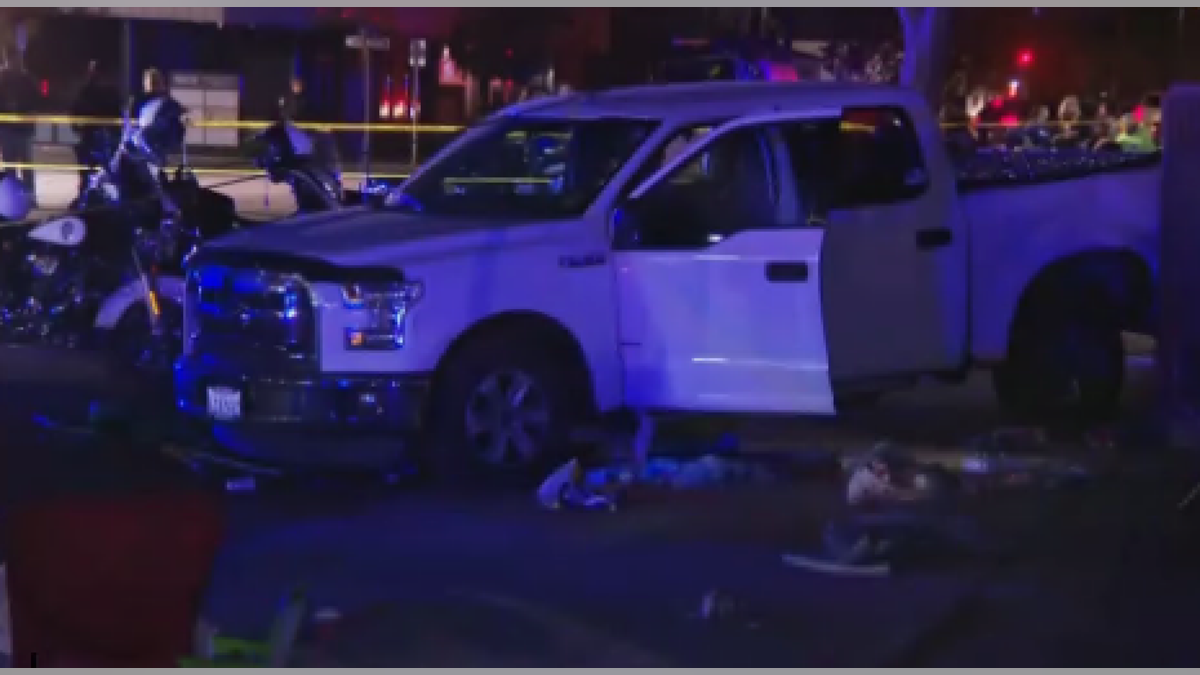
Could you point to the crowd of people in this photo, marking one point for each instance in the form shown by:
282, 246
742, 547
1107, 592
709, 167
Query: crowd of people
1012, 123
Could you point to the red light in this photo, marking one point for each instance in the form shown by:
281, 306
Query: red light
508, 53
1139, 114
1010, 120
45, 87
997, 102
1025, 57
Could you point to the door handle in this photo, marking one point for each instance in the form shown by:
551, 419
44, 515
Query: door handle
787, 272
934, 237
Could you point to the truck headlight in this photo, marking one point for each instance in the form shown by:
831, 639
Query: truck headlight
381, 310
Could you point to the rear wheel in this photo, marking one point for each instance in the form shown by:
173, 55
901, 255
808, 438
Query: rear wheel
505, 407
1063, 369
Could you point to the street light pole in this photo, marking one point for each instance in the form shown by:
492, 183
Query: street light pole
366, 75
1180, 43
126, 60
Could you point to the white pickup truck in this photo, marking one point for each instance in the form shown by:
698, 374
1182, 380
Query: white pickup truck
738, 247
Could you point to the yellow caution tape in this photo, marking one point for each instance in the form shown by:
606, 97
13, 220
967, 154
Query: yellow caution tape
381, 127
46, 166
11, 118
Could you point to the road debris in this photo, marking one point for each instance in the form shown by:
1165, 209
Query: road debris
714, 605
213, 649
900, 511
564, 488
572, 486
827, 566
1004, 458
620, 458
717, 606
241, 484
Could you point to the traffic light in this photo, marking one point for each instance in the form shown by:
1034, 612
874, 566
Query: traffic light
1025, 58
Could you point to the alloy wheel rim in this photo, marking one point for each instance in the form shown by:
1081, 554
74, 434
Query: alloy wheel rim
507, 419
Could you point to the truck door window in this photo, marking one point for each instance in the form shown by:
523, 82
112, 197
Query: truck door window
677, 143
879, 159
812, 147
728, 187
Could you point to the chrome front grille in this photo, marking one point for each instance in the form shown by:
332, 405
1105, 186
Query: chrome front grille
249, 313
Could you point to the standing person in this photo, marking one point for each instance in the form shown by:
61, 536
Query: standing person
18, 96
1038, 132
155, 127
294, 108
293, 105
153, 86
1133, 136
1070, 113
95, 99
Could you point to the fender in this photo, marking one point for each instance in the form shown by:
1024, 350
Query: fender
65, 231
170, 289
1018, 235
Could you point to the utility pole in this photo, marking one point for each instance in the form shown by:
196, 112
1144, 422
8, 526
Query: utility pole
366, 92
1179, 282
417, 48
1180, 44
126, 60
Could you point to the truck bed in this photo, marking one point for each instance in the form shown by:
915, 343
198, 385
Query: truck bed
1026, 210
1004, 168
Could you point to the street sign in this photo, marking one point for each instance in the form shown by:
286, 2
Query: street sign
379, 44
416, 53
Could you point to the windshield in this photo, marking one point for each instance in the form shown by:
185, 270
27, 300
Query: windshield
528, 168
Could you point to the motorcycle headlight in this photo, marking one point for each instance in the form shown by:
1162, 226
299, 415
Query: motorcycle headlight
380, 313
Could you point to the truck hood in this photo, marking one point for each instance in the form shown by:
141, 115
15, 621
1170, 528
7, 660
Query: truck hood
366, 236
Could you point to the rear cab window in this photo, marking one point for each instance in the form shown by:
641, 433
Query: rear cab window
871, 156
880, 159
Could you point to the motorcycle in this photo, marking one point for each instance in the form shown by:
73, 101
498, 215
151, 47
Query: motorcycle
305, 162
109, 272
98, 266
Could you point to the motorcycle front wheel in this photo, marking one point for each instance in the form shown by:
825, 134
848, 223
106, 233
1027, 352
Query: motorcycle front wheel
135, 347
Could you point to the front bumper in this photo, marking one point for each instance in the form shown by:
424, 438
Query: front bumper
300, 416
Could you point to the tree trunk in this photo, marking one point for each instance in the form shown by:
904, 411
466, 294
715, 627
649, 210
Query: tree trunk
1179, 282
926, 50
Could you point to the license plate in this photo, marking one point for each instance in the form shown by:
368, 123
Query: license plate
224, 403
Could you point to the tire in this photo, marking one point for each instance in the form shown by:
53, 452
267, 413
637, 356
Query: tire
477, 434
133, 347
1062, 369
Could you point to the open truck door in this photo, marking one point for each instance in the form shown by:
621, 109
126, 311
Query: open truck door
719, 278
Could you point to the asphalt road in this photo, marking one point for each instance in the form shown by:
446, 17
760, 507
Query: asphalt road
427, 578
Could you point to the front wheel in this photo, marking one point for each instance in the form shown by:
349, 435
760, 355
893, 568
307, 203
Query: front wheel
135, 346
505, 407
1066, 369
